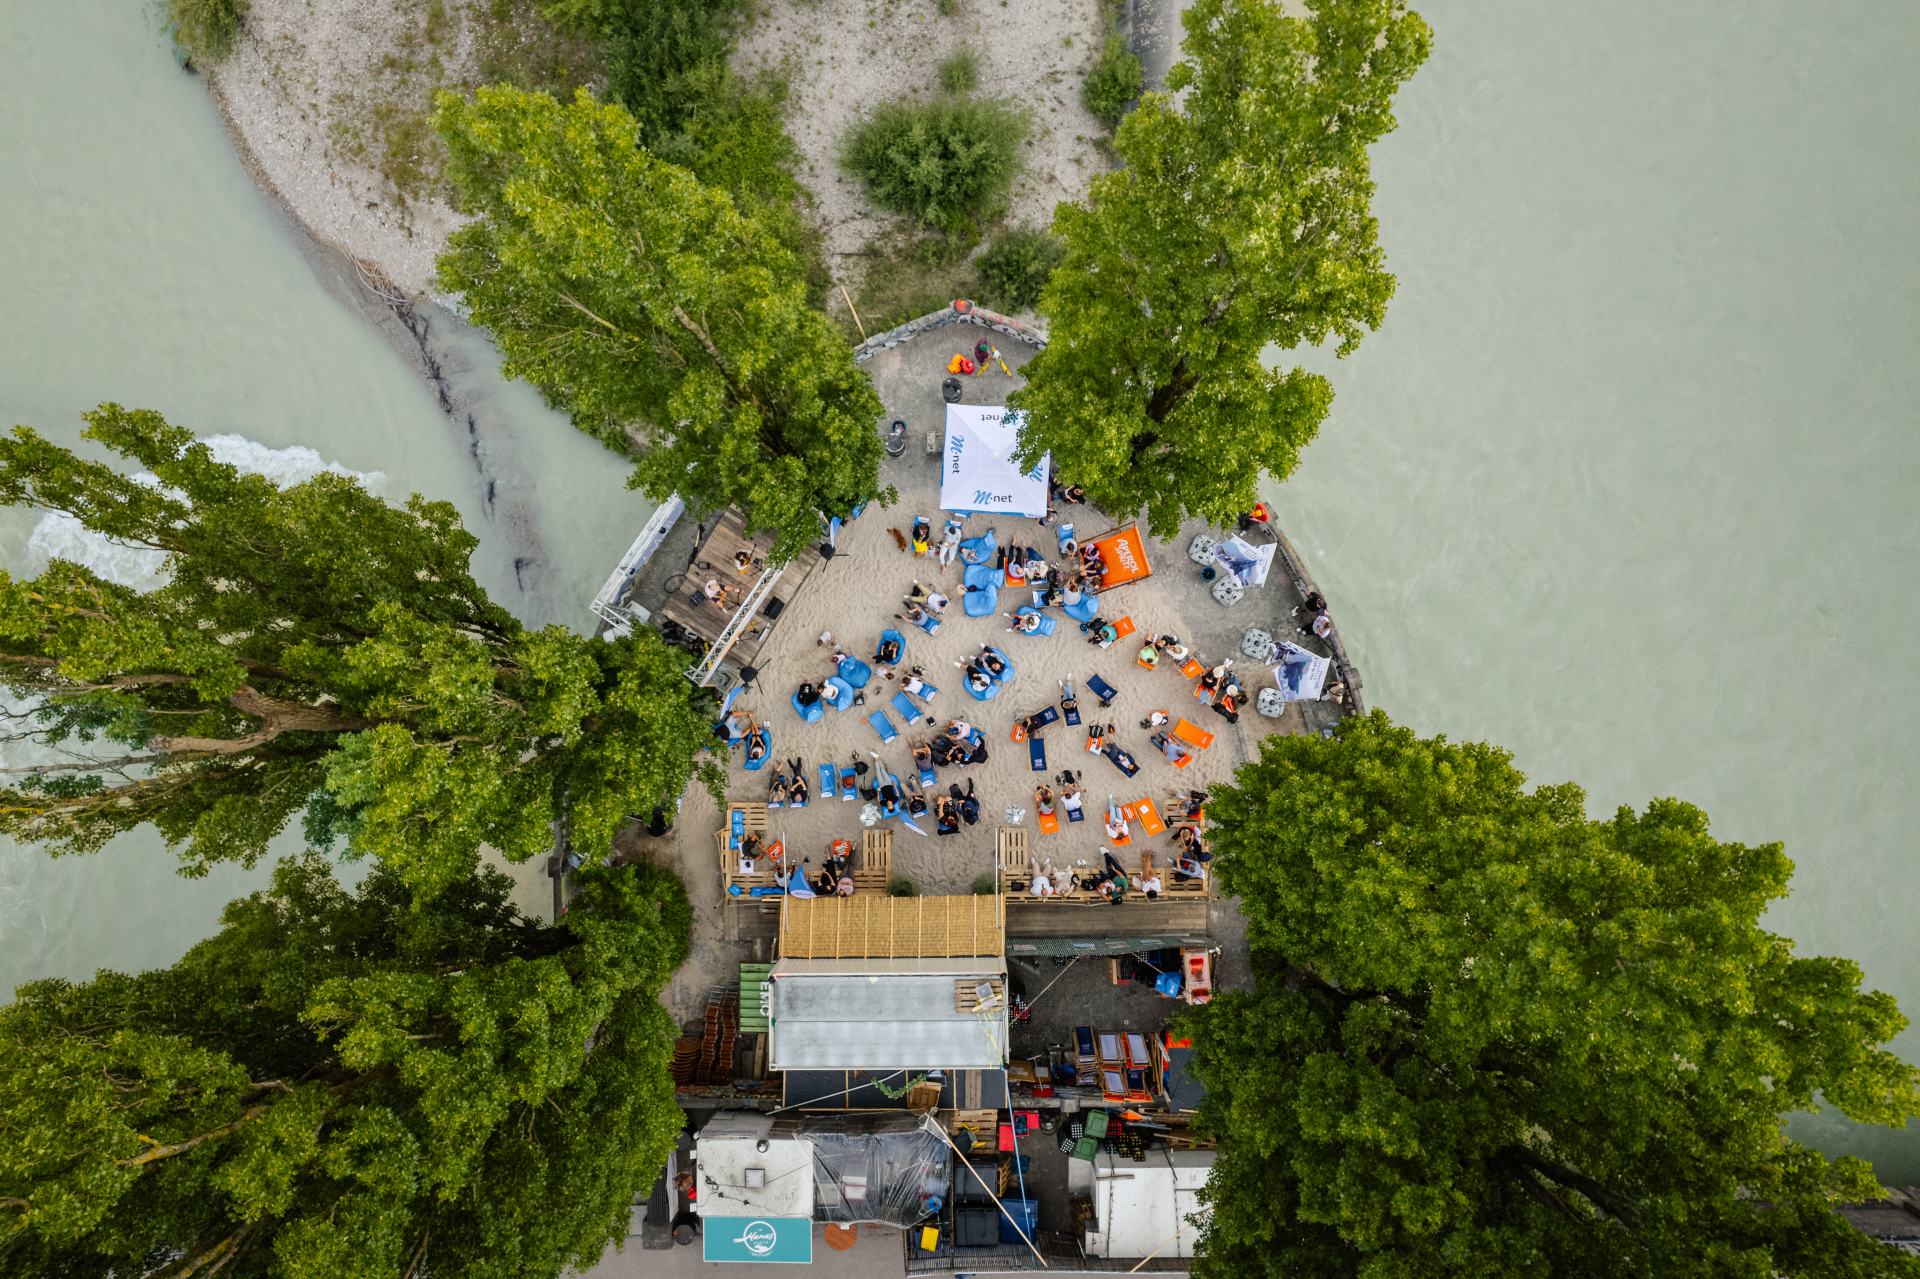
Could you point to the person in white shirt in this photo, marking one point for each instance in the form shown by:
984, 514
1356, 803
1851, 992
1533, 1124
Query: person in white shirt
1042, 872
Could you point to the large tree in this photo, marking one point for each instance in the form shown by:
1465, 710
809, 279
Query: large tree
342, 1085
647, 305
1490, 1036
1238, 220
310, 648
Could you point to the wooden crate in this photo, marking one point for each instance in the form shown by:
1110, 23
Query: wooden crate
966, 994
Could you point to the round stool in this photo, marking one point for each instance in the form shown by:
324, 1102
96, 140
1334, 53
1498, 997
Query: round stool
1228, 590
1269, 703
1200, 550
1256, 643
839, 1237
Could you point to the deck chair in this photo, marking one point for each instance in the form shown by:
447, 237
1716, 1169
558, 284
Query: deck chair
1102, 690
1193, 735
1069, 703
1122, 629
1036, 754
849, 782
904, 704
929, 623
826, 781
883, 726
1193, 669
1149, 817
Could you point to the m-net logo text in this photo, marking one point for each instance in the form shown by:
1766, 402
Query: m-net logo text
758, 1238
987, 497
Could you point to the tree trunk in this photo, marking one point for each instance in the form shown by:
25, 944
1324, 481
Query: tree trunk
275, 716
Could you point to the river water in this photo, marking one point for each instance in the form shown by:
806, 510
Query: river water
1625, 483
138, 264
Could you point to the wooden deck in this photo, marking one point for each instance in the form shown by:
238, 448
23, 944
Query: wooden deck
726, 535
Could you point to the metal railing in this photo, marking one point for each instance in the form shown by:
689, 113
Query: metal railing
703, 673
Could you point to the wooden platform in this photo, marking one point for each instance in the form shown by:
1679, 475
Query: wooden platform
874, 927
727, 534
1136, 915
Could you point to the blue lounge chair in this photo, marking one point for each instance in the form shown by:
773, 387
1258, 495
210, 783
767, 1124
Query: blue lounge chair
899, 653
849, 782
1102, 690
826, 781
904, 704
1037, 752
883, 726
1084, 611
979, 550
1066, 535
1046, 623
808, 714
766, 749
929, 778
888, 808
843, 693
855, 672
929, 623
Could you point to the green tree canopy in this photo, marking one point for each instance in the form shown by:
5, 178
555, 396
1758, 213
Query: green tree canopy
643, 301
339, 1085
311, 647
1240, 219
1492, 1037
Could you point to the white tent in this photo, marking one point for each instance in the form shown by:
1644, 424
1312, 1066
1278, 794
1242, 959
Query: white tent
1149, 1209
977, 470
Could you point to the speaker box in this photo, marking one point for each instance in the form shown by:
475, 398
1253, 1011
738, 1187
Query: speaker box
774, 608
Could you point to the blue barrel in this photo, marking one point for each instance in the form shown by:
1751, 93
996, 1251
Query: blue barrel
1168, 984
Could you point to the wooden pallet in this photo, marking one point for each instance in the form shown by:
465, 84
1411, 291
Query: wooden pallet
966, 994
874, 871
1015, 864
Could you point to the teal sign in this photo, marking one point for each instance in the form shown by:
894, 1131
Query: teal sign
787, 1239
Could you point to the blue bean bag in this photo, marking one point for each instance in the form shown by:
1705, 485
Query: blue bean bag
897, 638
991, 691
1084, 611
979, 550
809, 714
1046, 623
984, 602
855, 672
1010, 672
766, 740
843, 694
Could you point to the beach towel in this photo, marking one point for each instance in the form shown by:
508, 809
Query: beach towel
1102, 690
1049, 823
1036, 755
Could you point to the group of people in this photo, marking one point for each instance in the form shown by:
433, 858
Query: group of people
788, 788
1222, 690
983, 668
954, 808
1313, 610
835, 878
1047, 800
922, 604
1111, 881
1168, 646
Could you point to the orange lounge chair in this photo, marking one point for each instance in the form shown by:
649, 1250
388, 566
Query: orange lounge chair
1049, 823
1122, 629
1145, 665
1193, 669
1193, 735
1149, 817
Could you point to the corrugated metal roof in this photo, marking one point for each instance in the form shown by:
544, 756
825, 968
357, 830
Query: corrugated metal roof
881, 1023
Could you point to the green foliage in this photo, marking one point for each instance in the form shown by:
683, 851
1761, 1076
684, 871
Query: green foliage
960, 73
653, 50
901, 887
642, 301
910, 275
1492, 1037
205, 29
1017, 265
350, 1085
1114, 82
1239, 220
948, 163
984, 884
311, 645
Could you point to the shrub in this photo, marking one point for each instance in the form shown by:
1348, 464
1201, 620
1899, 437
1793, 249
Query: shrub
204, 28
1115, 81
984, 883
902, 888
947, 163
1016, 265
960, 73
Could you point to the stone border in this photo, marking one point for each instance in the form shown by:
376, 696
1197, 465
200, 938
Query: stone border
960, 311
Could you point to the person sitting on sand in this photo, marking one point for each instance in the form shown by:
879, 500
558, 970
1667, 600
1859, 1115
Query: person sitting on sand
1043, 799
1176, 652
1148, 656
961, 728
937, 603
777, 791
914, 614
823, 884
1025, 623
969, 806
1070, 798
922, 756
922, 534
